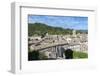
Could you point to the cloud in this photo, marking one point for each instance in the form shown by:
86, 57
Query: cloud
75, 22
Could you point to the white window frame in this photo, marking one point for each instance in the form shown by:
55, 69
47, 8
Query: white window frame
16, 44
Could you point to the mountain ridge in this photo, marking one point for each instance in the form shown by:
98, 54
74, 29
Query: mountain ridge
41, 28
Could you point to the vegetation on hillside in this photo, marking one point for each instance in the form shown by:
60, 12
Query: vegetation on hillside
41, 29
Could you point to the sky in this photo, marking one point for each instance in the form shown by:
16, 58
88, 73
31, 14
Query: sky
71, 22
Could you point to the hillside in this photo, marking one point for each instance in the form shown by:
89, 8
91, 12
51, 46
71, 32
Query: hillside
40, 29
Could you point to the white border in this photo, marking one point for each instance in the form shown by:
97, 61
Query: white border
19, 38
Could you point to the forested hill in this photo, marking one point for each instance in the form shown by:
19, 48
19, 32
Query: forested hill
40, 29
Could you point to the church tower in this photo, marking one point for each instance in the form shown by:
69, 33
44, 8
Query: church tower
74, 32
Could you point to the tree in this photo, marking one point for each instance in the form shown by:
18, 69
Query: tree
34, 55
68, 54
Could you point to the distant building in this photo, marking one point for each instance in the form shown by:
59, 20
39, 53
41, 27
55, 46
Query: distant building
74, 32
46, 34
35, 38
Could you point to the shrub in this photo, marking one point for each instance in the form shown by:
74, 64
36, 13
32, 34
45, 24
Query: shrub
34, 55
68, 54
77, 54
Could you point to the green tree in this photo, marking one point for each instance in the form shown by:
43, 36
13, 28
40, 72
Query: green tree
34, 55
